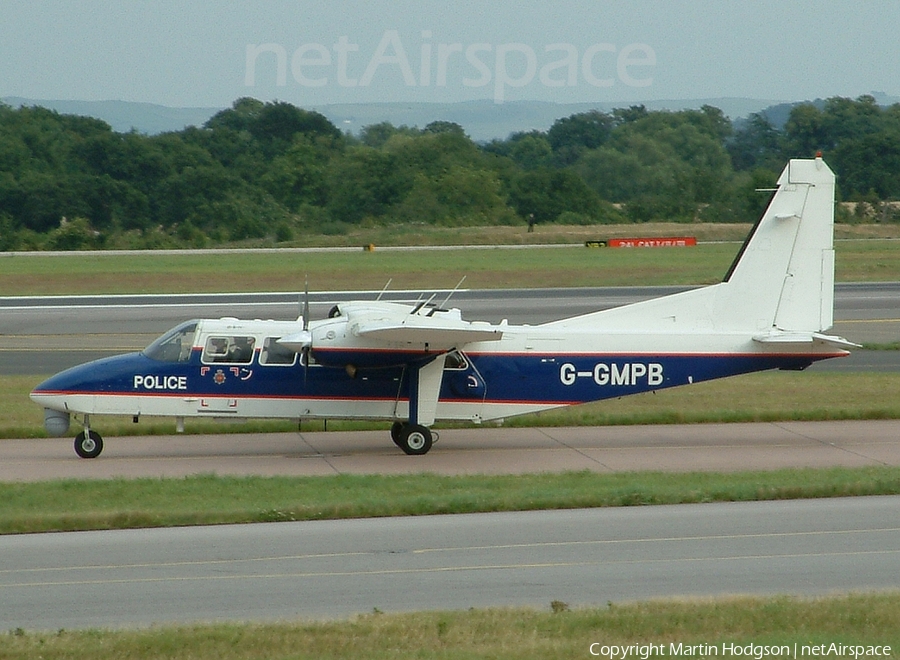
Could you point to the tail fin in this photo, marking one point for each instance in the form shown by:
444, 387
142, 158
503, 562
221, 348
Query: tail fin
782, 281
785, 271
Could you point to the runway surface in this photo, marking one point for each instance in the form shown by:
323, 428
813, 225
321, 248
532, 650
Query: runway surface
697, 447
329, 569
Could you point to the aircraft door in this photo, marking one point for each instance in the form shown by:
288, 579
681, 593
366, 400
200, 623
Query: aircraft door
463, 380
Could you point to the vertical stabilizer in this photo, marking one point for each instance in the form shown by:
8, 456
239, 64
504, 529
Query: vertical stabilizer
785, 273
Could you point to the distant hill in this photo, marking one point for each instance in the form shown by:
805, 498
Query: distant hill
482, 120
486, 120
124, 116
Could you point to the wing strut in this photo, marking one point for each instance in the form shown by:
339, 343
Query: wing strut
424, 390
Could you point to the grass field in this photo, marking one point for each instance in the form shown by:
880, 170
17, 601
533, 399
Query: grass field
573, 266
358, 270
702, 628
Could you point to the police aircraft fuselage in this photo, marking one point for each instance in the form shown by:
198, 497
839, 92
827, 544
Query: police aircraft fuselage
415, 364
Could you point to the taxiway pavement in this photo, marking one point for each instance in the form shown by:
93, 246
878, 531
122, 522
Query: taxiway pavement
687, 447
335, 569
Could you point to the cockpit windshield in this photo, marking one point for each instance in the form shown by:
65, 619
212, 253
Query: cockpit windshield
175, 345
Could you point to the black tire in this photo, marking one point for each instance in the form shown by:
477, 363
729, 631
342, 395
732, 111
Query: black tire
88, 446
415, 440
397, 433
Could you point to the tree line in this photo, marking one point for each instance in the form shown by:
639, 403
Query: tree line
273, 172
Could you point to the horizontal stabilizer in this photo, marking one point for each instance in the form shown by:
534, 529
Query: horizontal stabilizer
781, 337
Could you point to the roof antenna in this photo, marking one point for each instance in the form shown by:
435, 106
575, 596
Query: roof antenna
455, 289
390, 279
422, 304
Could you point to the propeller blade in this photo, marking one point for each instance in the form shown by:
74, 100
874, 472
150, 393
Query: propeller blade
306, 305
304, 353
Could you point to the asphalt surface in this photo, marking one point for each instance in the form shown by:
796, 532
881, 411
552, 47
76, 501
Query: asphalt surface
328, 569
697, 447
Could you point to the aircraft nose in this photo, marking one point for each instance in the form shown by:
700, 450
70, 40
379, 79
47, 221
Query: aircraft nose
99, 376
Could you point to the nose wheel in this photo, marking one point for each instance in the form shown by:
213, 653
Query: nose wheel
88, 444
413, 439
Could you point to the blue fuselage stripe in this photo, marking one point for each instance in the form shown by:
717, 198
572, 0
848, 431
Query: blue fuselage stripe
552, 379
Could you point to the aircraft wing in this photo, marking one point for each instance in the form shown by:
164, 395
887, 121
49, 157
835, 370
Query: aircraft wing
436, 333
382, 323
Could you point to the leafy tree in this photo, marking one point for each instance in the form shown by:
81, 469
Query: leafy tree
805, 132
532, 152
445, 127
546, 194
629, 114
364, 183
571, 136
258, 170
271, 125
757, 143
278, 123
298, 176
870, 164
76, 234
243, 113
376, 135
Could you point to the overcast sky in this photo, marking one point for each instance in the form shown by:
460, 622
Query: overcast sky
210, 52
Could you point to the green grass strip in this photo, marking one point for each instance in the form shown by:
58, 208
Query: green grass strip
69, 505
707, 628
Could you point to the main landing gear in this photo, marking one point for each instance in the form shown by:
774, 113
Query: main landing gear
413, 439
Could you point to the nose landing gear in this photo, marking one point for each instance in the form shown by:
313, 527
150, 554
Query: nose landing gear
88, 444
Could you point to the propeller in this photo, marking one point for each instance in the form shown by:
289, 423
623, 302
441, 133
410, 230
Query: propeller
301, 342
306, 335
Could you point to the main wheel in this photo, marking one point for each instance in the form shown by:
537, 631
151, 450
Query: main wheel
397, 433
88, 445
415, 440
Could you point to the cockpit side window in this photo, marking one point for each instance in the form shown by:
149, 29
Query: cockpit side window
455, 362
229, 348
274, 353
175, 345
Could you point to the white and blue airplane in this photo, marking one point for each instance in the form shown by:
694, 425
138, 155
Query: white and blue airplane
415, 364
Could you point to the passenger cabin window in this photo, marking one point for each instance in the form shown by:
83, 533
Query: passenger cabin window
274, 353
230, 349
175, 345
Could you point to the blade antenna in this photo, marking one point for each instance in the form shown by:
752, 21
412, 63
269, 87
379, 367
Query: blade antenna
455, 289
390, 279
420, 305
